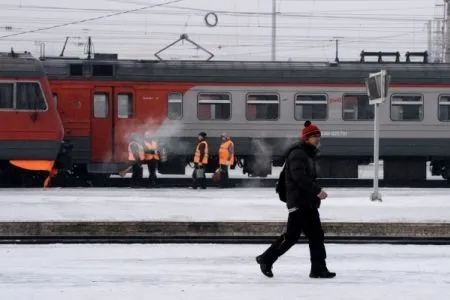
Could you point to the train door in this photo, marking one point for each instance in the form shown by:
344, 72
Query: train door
102, 125
112, 123
124, 121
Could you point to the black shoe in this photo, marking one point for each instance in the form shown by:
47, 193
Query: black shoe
321, 273
266, 269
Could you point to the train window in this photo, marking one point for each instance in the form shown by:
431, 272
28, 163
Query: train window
214, 106
101, 105
125, 105
407, 107
6, 96
262, 107
356, 107
444, 108
29, 96
175, 106
310, 107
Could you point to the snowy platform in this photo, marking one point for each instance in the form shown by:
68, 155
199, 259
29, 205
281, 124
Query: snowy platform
220, 272
241, 204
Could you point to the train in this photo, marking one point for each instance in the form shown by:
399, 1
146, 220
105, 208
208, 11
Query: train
31, 131
101, 101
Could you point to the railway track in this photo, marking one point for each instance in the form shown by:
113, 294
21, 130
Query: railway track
238, 232
30, 240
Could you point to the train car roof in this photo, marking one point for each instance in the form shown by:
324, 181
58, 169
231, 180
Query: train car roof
243, 71
20, 65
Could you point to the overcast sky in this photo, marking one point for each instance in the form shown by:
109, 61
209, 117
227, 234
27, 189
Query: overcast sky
305, 28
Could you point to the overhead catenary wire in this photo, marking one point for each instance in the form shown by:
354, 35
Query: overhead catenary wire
5, 7
90, 19
182, 10
153, 32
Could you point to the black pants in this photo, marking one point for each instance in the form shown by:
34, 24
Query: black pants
151, 164
199, 181
136, 174
301, 220
223, 182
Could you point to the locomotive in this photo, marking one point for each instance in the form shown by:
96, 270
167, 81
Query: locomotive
31, 132
262, 105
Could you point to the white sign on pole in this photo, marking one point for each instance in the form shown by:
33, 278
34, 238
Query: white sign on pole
377, 89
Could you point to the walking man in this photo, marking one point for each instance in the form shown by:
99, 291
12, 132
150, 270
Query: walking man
200, 161
303, 197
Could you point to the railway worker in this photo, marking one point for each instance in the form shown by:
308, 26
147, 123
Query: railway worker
136, 157
303, 197
151, 156
200, 161
226, 158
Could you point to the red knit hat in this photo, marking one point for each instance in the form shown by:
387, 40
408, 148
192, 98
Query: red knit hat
310, 129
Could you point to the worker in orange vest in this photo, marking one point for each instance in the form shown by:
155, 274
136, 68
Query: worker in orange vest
200, 161
226, 158
136, 157
151, 156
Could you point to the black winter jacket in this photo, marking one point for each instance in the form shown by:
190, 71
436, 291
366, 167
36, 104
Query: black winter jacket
301, 174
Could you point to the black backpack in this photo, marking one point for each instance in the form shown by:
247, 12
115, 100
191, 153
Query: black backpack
280, 186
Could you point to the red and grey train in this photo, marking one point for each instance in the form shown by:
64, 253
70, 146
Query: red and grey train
261, 105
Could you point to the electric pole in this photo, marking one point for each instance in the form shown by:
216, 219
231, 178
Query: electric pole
336, 39
447, 31
430, 41
274, 30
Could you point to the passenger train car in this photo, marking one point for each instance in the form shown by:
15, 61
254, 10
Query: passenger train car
31, 131
261, 105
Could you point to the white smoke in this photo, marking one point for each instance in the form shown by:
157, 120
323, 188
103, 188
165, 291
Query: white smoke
263, 152
163, 131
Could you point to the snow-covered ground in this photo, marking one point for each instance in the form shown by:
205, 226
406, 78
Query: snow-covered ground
213, 272
239, 204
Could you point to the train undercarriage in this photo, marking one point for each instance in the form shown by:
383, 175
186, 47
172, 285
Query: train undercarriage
414, 169
393, 168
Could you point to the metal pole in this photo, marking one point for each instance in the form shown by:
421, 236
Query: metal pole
89, 47
447, 32
376, 196
274, 30
337, 51
429, 31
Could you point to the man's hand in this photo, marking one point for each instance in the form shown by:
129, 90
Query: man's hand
322, 195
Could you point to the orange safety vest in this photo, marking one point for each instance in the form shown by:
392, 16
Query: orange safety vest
224, 153
197, 153
131, 154
152, 145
